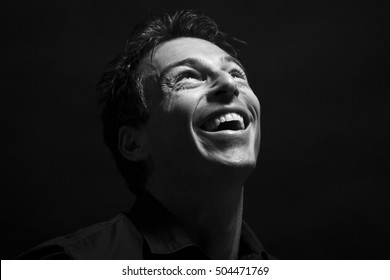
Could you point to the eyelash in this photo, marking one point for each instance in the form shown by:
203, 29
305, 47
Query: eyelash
238, 72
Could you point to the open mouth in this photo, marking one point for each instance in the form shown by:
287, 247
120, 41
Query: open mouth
228, 121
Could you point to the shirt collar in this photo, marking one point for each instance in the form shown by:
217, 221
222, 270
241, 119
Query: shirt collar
160, 229
164, 235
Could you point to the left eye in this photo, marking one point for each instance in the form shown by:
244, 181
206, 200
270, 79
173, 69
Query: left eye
237, 74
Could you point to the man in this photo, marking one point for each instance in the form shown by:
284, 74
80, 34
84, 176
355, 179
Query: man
183, 126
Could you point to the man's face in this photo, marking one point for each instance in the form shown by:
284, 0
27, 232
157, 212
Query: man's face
203, 114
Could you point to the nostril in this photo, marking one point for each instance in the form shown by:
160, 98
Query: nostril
226, 92
220, 92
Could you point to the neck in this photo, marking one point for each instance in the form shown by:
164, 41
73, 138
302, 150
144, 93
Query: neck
211, 212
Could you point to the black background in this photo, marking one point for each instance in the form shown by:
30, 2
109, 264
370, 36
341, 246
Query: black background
320, 70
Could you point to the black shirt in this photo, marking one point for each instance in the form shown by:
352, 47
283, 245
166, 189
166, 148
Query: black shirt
148, 231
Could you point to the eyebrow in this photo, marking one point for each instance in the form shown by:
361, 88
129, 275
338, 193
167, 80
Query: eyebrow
230, 58
192, 61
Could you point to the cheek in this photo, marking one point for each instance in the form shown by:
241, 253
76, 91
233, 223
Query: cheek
170, 101
255, 101
180, 107
169, 125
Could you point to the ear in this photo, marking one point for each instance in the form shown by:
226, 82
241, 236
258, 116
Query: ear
132, 143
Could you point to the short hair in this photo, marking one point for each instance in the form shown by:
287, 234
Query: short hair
120, 90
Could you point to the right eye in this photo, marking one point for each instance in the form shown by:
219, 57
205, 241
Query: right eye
187, 76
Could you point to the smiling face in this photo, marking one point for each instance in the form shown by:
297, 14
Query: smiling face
203, 113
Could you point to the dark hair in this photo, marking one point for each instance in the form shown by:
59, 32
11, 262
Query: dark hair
120, 89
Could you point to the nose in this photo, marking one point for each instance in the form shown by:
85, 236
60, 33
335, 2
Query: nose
224, 86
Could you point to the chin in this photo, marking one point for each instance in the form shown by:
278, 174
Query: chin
232, 160
230, 154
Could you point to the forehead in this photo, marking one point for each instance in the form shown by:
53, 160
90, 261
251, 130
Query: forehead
176, 50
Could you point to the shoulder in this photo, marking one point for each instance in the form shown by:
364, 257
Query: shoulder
117, 238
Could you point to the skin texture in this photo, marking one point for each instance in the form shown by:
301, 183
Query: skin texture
196, 174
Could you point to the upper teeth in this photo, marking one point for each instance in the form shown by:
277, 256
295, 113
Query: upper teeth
213, 124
